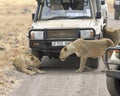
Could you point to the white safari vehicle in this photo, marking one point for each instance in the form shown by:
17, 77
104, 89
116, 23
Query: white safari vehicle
59, 22
117, 9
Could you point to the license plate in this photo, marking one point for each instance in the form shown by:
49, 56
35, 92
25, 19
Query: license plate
60, 43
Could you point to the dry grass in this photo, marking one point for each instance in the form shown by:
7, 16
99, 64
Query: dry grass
15, 23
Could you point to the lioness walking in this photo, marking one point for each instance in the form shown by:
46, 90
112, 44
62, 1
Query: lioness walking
84, 49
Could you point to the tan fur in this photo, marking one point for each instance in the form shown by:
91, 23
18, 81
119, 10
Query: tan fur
27, 63
84, 49
114, 35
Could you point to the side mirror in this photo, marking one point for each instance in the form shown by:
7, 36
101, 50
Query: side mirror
102, 2
33, 15
98, 15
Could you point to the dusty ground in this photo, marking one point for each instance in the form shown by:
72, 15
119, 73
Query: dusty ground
15, 18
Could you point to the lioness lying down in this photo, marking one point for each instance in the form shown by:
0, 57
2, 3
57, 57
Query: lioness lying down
27, 63
84, 49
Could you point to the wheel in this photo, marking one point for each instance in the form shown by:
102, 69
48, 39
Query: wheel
38, 54
113, 84
55, 55
92, 62
116, 15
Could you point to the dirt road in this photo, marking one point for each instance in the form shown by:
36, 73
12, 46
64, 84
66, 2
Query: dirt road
61, 79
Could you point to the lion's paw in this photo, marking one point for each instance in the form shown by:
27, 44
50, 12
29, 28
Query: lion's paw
78, 71
41, 72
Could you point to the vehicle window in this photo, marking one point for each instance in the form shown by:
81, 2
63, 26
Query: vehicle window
57, 9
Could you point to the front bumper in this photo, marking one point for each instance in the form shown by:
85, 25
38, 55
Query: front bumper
113, 73
45, 45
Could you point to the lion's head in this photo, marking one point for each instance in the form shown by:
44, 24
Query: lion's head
63, 54
35, 60
66, 51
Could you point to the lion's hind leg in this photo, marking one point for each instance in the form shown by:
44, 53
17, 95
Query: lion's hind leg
27, 71
40, 71
35, 69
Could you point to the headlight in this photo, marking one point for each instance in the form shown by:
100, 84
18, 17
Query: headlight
117, 3
86, 33
37, 35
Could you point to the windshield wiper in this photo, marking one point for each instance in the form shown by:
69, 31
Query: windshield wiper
66, 17
80, 17
58, 17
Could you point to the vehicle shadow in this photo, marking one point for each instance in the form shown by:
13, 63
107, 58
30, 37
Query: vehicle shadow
70, 64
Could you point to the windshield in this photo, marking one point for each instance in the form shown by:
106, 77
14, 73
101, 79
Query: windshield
60, 9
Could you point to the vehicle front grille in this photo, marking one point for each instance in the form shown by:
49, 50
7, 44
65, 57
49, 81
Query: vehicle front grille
62, 33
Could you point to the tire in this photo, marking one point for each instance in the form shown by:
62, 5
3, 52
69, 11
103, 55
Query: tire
113, 84
116, 15
92, 62
36, 53
55, 55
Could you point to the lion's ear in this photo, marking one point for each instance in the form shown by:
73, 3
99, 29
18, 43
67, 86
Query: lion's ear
65, 49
